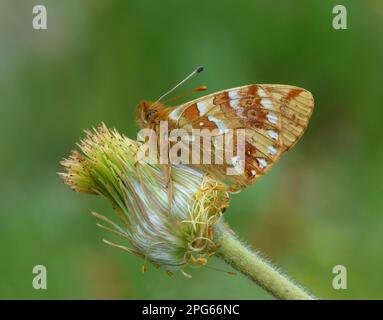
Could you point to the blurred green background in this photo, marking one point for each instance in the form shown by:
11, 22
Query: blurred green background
320, 206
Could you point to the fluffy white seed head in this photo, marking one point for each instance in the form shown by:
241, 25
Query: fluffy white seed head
137, 191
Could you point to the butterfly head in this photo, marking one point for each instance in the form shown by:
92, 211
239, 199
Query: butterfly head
146, 111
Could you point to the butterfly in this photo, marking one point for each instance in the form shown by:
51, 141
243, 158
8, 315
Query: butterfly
273, 118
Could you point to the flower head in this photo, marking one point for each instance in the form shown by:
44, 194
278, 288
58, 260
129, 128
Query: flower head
171, 238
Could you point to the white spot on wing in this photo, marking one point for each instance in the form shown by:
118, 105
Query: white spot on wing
253, 172
175, 114
221, 126
271, 150
272, 118
272, 134
202, 108
266, 103
234, 103
261, 92
262, 163
233, 94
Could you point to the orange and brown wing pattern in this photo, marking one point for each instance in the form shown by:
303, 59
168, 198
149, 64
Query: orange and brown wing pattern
272, 116
296, 107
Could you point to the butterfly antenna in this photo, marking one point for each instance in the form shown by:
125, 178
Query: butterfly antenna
195, 71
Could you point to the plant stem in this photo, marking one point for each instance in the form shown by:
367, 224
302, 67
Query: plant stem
256, 268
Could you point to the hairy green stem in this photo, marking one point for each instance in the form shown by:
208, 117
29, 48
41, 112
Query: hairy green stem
256, 268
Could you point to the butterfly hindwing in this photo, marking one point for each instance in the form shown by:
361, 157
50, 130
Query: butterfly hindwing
273, 117
296, 106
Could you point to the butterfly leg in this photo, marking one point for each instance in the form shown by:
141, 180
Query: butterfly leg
235, 188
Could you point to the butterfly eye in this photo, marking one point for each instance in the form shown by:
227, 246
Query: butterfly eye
148, 115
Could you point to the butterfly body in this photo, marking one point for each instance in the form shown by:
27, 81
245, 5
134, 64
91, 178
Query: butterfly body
273, 118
